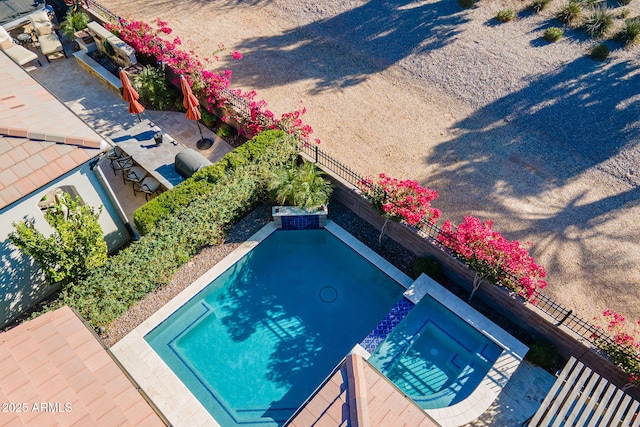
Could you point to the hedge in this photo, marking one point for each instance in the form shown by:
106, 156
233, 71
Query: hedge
273, 146
149, 263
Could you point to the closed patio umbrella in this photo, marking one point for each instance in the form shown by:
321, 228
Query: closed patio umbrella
192, 105
130, 95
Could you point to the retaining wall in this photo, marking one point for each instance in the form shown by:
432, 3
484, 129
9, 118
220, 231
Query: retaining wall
513, 307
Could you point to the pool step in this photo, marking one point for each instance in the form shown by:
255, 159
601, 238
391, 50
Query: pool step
380, 332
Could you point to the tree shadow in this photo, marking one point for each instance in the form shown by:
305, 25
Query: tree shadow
579, 117
303, 334
376, 35
21, 283
568, 126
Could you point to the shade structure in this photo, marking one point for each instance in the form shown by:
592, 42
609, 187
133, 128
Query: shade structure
192, 105
130, 95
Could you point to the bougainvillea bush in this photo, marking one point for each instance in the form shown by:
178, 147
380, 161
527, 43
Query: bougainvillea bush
622, 345
155, 42
495, 258
400, 201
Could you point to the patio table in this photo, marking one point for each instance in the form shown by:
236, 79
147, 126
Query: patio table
157, 160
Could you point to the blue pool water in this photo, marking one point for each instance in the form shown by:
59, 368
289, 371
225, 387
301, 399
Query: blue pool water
434, 356
256, 342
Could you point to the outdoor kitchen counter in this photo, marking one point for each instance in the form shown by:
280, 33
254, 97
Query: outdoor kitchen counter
157, 160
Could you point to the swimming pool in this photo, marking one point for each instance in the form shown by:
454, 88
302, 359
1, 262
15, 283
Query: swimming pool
434, 356
259, 338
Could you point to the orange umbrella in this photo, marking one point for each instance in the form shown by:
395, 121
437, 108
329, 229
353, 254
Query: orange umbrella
130, 95
192, 105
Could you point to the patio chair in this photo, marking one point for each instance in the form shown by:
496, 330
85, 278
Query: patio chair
135, 174
20, 55
148, 186
123, 163
47, 38
114, 153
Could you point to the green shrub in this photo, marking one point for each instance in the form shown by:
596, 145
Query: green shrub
630, 31
506, 15
208, 118
152, 87
429, 266
624, 2
74, 22
569, 12
75, 247
538, 5
302, 186
466, 4
225, 130
149, 263
178, 105
270, 148
599, 22
624, 13
543, 354
600, 52
168, 203
552, 34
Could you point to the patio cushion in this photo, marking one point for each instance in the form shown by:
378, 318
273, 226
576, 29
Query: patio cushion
49, 44
6, 44
189, 161
41, 23
20, 55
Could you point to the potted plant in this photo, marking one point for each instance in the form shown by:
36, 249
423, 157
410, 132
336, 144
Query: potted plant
74, 27
74, 22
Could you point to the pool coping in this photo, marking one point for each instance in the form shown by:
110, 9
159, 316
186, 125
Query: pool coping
492, 384
162, 386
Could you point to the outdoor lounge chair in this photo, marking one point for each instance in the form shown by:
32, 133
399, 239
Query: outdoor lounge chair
47, 38
20, 55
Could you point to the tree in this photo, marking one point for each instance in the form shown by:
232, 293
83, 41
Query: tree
399, 201
76, 247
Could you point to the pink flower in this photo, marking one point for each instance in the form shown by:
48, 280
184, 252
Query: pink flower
236, 55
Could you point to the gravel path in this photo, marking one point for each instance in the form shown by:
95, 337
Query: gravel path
536, 136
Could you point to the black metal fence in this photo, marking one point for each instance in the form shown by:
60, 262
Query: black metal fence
561, 314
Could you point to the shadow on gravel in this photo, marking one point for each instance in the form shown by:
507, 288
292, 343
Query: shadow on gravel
583, 116
375, 35
565, 122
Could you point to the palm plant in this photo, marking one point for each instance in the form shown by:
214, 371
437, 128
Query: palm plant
630, 31
599, 22
74, 22
152, 86
569, 12
302, 186
538, 5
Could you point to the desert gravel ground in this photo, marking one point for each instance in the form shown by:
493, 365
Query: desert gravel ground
535, 136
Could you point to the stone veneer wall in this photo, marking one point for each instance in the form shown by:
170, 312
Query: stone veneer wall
534, 321
124, 55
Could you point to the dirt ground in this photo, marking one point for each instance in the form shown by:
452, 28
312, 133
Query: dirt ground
535, 136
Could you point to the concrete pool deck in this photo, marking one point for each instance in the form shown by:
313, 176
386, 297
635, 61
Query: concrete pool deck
179, 405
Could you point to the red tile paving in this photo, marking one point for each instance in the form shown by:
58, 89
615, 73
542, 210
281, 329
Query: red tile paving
26, 108
65, 382
358, 383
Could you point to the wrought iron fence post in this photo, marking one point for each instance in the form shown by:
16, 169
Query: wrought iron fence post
316, 150
565, 318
